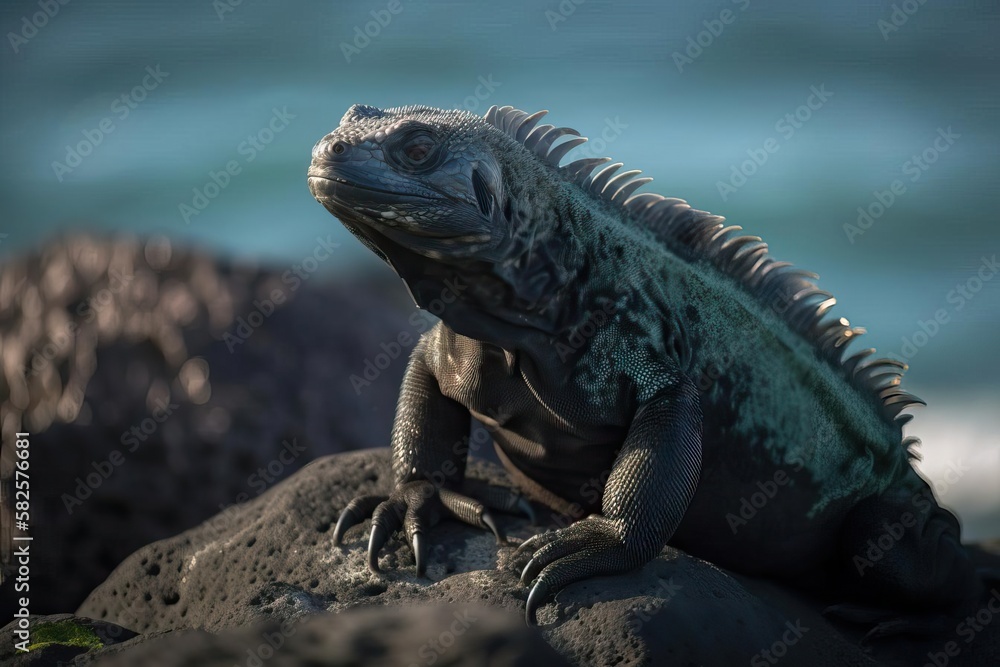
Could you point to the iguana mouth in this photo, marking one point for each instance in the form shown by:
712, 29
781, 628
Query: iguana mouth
345, 206
318, 190
383, 241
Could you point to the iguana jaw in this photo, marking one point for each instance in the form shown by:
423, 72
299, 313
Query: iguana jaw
358, 202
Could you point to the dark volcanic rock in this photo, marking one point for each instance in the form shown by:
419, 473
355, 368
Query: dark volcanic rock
446, 635
273, 558
150, 406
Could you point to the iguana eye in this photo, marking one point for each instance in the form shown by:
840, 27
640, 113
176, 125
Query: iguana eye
417, 150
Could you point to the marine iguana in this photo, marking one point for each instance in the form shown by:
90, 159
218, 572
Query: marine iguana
635, 359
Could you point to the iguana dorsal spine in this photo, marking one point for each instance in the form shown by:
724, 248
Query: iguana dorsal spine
702, 235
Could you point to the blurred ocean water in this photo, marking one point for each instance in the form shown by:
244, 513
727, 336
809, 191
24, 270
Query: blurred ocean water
961, 456
716, 100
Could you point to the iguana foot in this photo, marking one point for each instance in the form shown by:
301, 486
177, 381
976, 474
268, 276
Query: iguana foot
500, 498
417, 506
555, 559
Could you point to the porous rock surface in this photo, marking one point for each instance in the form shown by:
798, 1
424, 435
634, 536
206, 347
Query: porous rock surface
399, 636
273, 559
403, 636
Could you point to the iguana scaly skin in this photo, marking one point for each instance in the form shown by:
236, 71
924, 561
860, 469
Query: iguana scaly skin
641, 366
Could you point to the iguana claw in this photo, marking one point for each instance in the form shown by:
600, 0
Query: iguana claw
587, 548
539, 593
416, 507
377, 540
355, 512
491, 523
420, 553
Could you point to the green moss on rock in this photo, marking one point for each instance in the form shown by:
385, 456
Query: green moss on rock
66, 633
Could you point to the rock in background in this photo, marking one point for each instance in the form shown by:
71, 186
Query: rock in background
150, 408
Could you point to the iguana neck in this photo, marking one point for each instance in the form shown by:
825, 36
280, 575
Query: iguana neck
534, 286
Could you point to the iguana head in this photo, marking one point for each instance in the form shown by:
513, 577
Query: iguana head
414, 177
446, 194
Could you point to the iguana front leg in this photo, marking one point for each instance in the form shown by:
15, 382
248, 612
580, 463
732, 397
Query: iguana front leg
429, 453
652, 481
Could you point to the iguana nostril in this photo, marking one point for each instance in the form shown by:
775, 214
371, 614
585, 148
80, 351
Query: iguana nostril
336, 150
